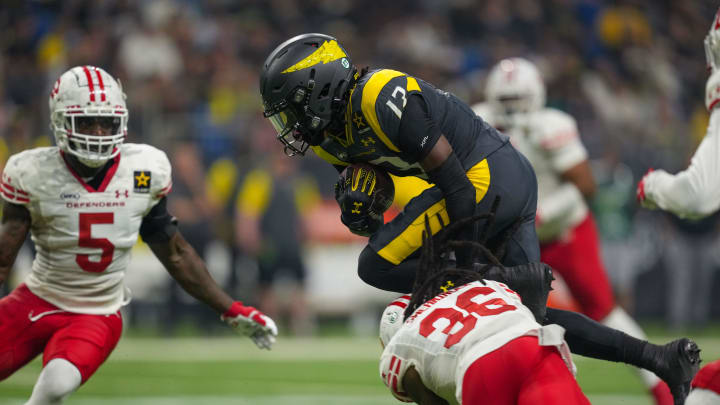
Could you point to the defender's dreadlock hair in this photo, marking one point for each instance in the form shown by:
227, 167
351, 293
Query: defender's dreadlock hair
434, 270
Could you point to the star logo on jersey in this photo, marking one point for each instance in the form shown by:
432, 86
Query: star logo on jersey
357, 119
141, 183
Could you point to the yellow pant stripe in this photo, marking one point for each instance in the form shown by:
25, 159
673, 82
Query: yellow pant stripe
411, 238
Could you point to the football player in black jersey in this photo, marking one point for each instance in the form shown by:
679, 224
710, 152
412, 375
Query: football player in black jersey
315, 98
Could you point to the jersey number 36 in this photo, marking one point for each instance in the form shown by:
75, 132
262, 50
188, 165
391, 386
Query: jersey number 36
492, 306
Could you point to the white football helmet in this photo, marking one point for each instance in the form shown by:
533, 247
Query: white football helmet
392, 318
514, 88
79, 95
712, 44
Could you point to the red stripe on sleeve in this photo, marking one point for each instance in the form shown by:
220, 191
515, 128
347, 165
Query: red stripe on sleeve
14, 197
398, 304
13, 189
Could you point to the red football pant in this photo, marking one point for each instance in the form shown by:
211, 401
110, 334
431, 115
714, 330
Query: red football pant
83, 340
708, 377
578, 261
521, 372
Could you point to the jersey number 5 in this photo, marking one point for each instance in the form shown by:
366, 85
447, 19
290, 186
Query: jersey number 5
492, 306
87, 220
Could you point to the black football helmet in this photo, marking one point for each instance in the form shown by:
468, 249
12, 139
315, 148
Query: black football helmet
304, 85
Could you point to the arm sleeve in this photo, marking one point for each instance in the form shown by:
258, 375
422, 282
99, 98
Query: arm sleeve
158, 225
694, 192
418, 132
459, 194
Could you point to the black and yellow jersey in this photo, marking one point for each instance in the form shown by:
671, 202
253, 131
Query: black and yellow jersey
373, 116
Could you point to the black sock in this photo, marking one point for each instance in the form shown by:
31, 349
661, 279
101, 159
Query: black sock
592, 339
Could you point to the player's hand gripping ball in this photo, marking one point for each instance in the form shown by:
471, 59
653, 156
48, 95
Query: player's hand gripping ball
364, 192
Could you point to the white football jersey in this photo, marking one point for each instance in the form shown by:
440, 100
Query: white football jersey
550, 141
83, 236
444, 336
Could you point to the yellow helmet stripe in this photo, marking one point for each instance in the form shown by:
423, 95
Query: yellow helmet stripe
326, 53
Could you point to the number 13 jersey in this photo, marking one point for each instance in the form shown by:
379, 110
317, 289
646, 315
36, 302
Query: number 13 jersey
84, 235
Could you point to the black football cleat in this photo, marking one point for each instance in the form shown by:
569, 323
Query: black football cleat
531, 281
677, 363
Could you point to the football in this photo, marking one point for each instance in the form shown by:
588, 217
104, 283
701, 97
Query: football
382, 188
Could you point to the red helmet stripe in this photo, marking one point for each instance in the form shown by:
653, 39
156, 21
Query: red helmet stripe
101, 84
91, 86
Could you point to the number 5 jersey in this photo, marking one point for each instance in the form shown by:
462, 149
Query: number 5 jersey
83, 235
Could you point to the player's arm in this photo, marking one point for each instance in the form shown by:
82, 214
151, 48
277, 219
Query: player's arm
580, 175
159, 231
421, 137
14, 229
561, 144
694, 192
418, 391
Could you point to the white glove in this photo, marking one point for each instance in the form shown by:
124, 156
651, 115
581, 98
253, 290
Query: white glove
249, 321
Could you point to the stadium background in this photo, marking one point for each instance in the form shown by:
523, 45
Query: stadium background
631, 72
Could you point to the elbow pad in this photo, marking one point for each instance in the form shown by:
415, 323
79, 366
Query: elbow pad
158, 226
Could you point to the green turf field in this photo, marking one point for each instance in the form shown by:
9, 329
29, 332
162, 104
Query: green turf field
229, 370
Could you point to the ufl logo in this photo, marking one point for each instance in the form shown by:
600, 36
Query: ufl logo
392, 317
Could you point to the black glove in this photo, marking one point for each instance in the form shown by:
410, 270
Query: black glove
355, 193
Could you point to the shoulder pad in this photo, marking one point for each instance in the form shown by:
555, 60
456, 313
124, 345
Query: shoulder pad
23, 171
145, 158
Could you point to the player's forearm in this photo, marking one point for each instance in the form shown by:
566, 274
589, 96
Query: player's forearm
693, 192
418, 391
559, 203
13, 231
189, 270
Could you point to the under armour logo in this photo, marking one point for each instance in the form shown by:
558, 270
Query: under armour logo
447, 286
367, 141
126, 193
357, 205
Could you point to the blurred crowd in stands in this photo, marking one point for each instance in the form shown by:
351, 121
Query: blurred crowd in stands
632, 72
